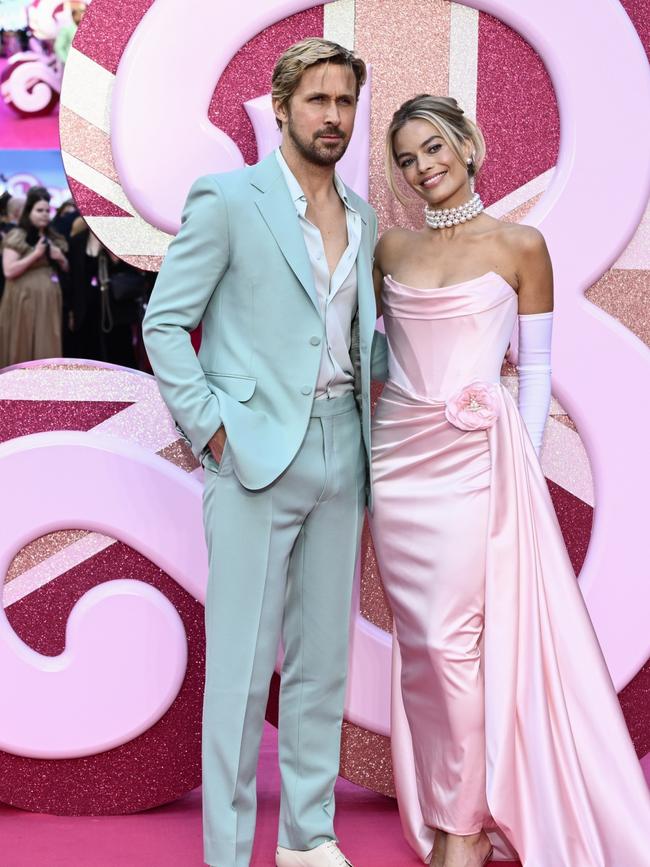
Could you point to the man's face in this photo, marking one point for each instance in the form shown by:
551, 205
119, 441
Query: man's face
319, 117
78, 12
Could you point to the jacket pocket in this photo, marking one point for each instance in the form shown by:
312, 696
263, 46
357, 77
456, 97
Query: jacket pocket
240, 388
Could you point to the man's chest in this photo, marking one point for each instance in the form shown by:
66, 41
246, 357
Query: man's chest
329, 233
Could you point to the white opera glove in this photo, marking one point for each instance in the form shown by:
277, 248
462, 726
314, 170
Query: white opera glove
534, 369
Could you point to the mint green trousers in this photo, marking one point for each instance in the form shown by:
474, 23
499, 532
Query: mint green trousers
281, 566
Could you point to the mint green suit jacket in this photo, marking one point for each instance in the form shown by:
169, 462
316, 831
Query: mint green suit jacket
239, 266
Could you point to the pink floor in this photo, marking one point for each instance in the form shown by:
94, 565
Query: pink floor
367, 824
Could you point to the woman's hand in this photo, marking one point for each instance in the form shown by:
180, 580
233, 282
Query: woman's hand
57, 255
40, 249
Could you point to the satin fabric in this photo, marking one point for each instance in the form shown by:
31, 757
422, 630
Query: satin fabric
503, 711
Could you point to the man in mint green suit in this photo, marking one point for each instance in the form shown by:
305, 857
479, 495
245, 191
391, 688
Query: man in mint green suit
275, 262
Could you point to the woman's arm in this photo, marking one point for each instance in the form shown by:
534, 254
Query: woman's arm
377, 279
14, 266
535, 275
57, 255
379, 353
385, 252
534, 272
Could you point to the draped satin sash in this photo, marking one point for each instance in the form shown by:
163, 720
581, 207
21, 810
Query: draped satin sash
564, 785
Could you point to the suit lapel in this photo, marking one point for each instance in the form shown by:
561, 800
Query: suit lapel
279, 214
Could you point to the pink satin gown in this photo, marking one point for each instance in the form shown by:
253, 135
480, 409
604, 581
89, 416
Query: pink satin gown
504, 714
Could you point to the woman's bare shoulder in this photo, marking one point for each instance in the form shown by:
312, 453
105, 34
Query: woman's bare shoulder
526, 240
392, 244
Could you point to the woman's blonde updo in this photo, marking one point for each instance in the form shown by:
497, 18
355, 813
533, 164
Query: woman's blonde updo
444, 113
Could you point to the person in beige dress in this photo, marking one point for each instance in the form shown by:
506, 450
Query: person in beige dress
33, 256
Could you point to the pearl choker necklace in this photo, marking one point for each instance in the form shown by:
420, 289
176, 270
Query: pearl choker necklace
445, 218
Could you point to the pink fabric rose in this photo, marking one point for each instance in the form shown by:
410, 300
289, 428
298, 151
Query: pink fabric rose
474, 407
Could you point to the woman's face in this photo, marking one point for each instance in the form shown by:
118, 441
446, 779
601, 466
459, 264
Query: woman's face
429, 166
40, 214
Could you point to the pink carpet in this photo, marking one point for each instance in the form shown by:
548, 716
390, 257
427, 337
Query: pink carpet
367, 824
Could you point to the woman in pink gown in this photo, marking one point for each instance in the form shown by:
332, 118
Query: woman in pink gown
507, 735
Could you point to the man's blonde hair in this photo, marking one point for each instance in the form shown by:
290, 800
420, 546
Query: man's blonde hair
301, 56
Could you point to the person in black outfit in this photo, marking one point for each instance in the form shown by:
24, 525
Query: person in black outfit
104, 302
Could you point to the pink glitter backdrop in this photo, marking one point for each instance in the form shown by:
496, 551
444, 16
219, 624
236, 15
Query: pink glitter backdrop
248, 75
517, 110
159, 766
163, 763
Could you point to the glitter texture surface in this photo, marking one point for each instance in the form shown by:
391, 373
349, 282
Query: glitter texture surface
635, 702
146, 263
146, 423
55, 565
129, 237
75, 381
463, 56
41, 549
520, 196
374, 604
366, 759
180, 454
51, 574
516, 110
91, 204
567, 421
338, 22
107, 27
102, 38
518, 214
249, 75
59, 562
158, 766
409, 53
36, 416
625, 294
86, 142
575, 519
565, 461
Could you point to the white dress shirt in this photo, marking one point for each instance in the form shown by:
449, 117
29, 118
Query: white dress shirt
337, 294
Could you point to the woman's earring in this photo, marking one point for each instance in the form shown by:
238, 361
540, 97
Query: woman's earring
471, 172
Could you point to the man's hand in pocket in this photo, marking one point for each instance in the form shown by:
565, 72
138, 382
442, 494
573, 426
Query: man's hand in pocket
217, 443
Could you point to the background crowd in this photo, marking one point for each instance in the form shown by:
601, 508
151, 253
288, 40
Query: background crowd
62, 293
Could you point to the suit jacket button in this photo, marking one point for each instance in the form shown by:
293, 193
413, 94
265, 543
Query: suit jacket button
305, 389
315, 341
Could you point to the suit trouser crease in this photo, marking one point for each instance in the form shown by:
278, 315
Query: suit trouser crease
281, 561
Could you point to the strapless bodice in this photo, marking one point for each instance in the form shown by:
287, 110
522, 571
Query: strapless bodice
442, 339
